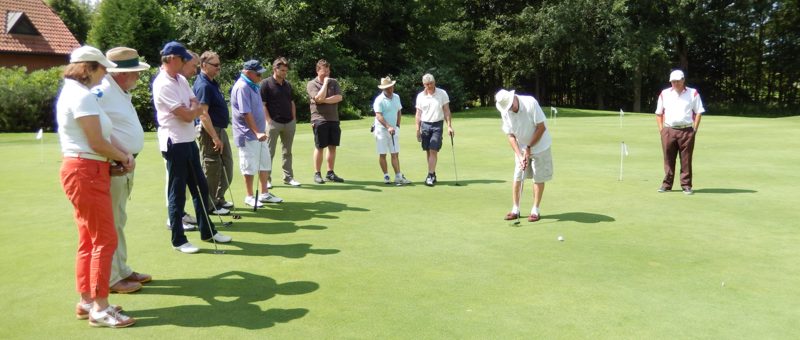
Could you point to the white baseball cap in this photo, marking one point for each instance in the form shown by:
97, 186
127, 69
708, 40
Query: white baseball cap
676, 75
88, 53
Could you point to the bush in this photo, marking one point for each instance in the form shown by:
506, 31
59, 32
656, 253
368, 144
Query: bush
27, 100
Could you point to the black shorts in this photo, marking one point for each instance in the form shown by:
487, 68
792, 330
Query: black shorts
326, 134
431, 135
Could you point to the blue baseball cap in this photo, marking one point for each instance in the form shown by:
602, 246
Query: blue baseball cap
176, 48
254, 65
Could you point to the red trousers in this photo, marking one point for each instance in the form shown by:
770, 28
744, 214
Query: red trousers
87, 184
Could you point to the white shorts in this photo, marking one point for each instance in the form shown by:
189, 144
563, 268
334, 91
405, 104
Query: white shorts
540, 167
249, 163
383, 141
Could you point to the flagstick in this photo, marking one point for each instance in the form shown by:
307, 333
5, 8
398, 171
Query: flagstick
621, 158
620, 117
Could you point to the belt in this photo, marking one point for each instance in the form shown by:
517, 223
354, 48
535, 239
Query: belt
678, 127
86, 155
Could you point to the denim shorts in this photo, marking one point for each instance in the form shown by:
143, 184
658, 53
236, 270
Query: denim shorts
431, 134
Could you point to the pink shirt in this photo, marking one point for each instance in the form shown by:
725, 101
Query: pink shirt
169, 94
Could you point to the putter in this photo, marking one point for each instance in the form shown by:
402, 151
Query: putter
520, 198
257, 178
230, 191
205, 211
452, 148
224, 224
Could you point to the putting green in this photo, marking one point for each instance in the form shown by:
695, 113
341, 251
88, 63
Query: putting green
366, 260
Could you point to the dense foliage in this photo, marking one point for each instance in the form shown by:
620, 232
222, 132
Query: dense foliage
76, 15
140, 24
27, 100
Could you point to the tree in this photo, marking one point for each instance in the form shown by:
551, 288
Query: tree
76, 15
139, 24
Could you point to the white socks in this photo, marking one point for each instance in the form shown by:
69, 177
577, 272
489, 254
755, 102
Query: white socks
535, 211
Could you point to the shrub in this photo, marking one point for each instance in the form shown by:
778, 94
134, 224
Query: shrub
27, 100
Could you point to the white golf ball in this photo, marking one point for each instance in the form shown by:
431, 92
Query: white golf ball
561, 238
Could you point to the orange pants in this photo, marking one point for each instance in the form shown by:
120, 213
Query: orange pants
87, 184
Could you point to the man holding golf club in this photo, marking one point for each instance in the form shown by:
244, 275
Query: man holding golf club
324, 96
678, 114
524, 124
387, 108
127, 135
433, 107
214, 144
249, 133
177, 108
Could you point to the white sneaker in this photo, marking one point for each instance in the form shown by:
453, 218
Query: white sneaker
219, 238
269, 184
219, 211
293, 182
387, 179
227, 205
189, 219
187, 248
269, 198
110, 317
251, 201
186, 226
401, 180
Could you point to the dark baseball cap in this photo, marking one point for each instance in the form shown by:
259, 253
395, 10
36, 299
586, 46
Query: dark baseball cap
254, 65
176, 48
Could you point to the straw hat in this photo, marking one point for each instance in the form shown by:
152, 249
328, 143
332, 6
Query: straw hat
386, 83
127, 60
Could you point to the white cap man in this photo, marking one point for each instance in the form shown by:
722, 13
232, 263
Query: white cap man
524, 124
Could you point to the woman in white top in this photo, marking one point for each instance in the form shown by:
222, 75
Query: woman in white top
85, 135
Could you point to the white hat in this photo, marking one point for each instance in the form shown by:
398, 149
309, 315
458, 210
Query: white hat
676, 75
503, 100
88, 53
127, 60
386, 83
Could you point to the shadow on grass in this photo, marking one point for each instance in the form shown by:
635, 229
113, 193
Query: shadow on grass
580, 217
724, 191
464, 183
269, 227
347, 185
295, 211
292, 251
230, 301
563, 112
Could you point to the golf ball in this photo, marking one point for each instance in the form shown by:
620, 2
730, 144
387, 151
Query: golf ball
561, 238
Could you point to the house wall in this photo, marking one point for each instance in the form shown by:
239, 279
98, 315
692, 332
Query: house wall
32, 61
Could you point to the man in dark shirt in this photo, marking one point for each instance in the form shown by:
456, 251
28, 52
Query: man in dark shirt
324, 96
276, 92
214, 145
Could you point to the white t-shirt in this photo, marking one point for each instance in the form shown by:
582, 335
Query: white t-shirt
169, 94
522, 124
117, 105
76, 101
431, 105
679, 108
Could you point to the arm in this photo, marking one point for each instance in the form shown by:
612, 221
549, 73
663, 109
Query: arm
660, 121
319, 98
697, 122
205, 120
294, 112
537, 135
331, 100
266, 112
521, 158
418, 120
91, 128
188, 114
448, 118
399, 114
382, 121
251, 124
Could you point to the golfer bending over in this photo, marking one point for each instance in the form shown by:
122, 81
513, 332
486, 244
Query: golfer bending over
249, 133
524, 123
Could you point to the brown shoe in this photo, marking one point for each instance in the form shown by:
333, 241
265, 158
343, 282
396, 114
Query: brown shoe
511, 216
139, 277
533, 218
125, 287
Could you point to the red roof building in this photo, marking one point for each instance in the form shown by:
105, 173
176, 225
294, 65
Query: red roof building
32, 35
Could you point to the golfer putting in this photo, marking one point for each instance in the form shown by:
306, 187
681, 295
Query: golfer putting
524, 124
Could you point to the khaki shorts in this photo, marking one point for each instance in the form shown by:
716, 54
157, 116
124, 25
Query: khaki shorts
540, 167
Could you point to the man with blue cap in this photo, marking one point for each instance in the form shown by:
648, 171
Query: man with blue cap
177, 108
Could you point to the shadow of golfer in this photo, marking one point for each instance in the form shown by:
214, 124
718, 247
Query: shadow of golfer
291, 251
346, 185
463, 183
580, 217
303, 211
724, 191
271, 228
229, 301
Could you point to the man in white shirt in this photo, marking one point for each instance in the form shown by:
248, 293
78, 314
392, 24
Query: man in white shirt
433, 107
128, 136
678, 114
524, 124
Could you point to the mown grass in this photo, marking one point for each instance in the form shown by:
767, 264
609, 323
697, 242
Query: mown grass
365, 260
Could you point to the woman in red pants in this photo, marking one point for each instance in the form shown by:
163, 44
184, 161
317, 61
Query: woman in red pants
84, 131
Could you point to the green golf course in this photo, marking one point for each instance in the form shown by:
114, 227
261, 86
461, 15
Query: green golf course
365, 260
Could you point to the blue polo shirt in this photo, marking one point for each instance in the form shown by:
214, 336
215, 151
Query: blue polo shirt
207, 92
246, 100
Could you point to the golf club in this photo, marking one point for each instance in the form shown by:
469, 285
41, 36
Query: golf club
519, 197
257, 177
230, 191
452, 148
224, 224
203, 205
